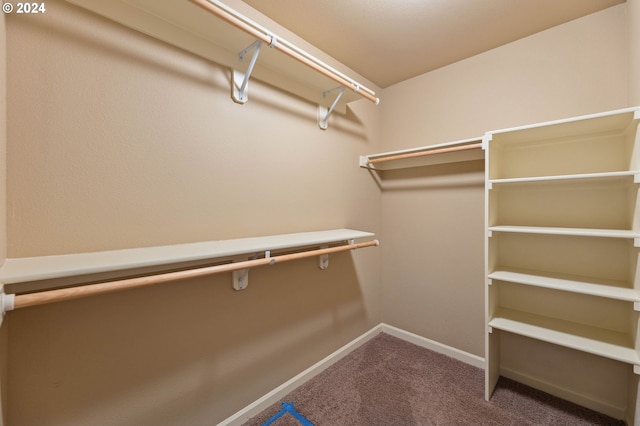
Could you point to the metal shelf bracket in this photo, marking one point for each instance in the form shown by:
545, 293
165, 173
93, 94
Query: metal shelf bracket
240, 81
323, 259
324, 112
240, 277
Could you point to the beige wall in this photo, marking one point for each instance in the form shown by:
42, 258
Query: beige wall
633, 42
115, 141
433, 221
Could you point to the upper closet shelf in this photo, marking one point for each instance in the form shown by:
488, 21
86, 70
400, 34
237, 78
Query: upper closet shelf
189, 27
576, 232
38, 273
451, 152
630, 175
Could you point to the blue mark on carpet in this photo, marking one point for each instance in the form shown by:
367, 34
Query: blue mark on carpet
287, 407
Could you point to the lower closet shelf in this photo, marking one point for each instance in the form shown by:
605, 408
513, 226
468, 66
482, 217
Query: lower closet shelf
594, 340
611, 289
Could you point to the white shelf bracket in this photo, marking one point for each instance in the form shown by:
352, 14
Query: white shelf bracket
636, 178
490, 329
636, 369
6, 303
240, 81
323, 112
240, 279
636, 306
323, 259
636, 242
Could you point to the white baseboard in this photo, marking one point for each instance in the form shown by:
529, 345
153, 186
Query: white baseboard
566, 394
276, 394
450, 351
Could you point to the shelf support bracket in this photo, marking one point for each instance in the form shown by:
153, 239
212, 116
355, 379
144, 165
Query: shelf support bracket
323, 112
240, 278
240, 81
323, 259
6, 303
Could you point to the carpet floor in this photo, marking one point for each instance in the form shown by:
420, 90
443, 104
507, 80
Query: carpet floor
391, 382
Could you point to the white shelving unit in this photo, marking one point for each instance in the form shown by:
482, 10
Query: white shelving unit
46, 272
562, 242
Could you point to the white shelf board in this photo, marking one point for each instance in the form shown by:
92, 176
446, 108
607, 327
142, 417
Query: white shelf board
623, 175
572, 283
597, 341
611, 121
30, 269
423, 156
580, 232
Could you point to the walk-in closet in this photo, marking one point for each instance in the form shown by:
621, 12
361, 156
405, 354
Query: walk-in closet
242, 212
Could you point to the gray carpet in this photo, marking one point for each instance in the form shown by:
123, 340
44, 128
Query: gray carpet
388, 381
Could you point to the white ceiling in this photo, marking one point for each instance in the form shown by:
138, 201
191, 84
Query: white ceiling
388, 41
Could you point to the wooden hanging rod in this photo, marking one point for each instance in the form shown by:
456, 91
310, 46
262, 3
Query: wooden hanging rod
51, 296
424, 153
253, 29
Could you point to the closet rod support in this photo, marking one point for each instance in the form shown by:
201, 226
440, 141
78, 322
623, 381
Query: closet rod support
323, 259
241, 80
6, 303
323, 112
240, 279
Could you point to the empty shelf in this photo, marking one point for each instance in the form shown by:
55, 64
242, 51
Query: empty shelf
579, 232
597, 341
605, 176
576, 284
